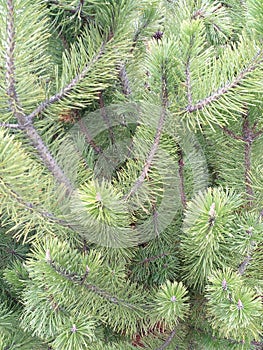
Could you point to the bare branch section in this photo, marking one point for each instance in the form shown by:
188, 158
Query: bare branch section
155, 144
225, 89
168, 341
68, 88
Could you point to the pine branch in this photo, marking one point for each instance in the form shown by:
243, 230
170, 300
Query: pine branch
181, 176
153, 258
125, 84
225, 89
230, 133
10, 126
242, 267
47, 158
248, 137
168, 341
25, 122
155, 144
10, 65
47, 216
188, 80
106, 118
73, 10
68, 88
88, 138
74, 278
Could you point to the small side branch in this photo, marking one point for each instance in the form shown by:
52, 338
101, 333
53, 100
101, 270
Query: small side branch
248, 138
231, 133
153, 258
10, 126
225, 89
106, 118
45, 215
125, 84
181, 176
168, 341
188, 83
74, 278
66, 89
25, 122
155, 144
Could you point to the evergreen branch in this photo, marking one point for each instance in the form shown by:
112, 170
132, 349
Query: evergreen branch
168, 341
88, 137
155, 220
181, 176
47, 158
33, 208
225, 89
73, 10
10, 126
155, 144
10, 65
74, 278
242, 267
152, 258
106, 118
248, 138
125, 84
68, 88
188, 81
230, 133
258, 133
24, 121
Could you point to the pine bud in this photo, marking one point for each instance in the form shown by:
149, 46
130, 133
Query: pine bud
212, 212
173, 298
48, 257
158, 35
239, 305
249, 231
224, 284
98, 197
74, 329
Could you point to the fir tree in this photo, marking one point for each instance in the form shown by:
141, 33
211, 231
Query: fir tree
131, 183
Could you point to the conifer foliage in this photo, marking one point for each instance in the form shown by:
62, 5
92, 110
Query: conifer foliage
131, 174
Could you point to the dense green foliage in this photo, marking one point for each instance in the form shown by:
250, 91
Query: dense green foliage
131, 174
